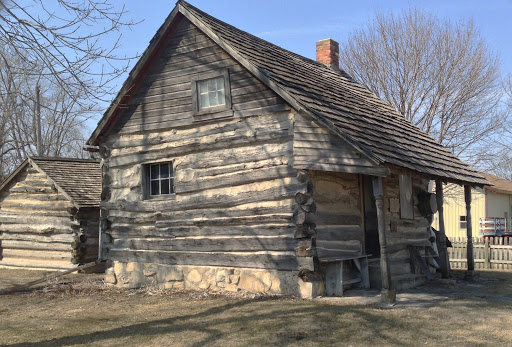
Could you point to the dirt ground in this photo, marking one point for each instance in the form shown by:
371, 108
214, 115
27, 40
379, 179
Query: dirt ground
81, 310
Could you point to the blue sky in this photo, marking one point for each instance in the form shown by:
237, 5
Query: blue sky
297, 25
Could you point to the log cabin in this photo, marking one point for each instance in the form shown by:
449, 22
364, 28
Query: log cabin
49, 214
230, 163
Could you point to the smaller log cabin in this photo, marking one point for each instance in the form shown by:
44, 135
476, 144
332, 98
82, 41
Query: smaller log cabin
230, 163
49, 213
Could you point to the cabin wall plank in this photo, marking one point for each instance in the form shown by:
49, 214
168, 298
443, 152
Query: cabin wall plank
338, 217
318, 148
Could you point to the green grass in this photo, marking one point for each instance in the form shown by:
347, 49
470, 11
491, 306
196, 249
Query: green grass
83, 312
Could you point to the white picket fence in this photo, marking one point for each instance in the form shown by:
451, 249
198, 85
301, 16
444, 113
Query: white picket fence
489, 253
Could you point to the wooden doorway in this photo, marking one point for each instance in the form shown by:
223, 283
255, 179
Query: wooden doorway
371, 232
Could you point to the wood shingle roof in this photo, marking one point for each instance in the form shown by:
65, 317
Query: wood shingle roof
333, 98
500, 185
80, 179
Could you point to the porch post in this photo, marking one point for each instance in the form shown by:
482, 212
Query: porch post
469, 230
443, 253
388, 295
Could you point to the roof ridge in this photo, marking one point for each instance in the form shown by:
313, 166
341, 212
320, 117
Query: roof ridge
66, 159
341, 72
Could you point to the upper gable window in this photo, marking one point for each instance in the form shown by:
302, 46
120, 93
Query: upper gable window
211, 93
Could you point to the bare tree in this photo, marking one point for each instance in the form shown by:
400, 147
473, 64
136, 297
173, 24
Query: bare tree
68, 48
508, 90
62, 119
75, 40
440, 75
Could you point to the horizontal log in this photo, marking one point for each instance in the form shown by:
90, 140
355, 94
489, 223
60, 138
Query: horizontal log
272, 161
210, 244
35, 229
46, 264
219, 159
34, 198
32, 190
58, 219
227, 221
36, 254
31, 245
133, 231
285, 206
243, 177
48, 208
215, 198
41, 238
275, 260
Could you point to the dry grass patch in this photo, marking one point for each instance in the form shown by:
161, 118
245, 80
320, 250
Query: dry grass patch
84, 312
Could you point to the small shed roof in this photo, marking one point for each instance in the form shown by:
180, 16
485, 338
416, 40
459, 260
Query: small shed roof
78, 179
500, 185
332, 97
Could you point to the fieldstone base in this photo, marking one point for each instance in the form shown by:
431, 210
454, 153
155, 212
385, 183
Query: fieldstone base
214, 278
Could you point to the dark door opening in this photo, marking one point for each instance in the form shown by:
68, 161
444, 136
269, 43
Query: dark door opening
371, 232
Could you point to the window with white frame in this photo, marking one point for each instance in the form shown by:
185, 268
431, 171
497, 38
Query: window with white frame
463, 222
211, 95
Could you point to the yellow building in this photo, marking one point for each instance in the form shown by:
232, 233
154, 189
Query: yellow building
490, 207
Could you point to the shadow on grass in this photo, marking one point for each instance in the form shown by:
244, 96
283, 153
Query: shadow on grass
280, 323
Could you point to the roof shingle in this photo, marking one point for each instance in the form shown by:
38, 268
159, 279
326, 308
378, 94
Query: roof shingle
79, 178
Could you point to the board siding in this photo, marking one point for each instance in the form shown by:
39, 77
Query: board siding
317, 148
338, 217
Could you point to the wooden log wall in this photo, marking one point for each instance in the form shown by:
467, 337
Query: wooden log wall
403, 232
234, 182
36, 229
338, 219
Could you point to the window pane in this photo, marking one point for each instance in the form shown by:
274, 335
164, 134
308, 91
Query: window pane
203, 101
154, 172
212, 85
203, 87
164, 186
164, 170
221, 98
220, 83
213, 99
171, 185
155, 188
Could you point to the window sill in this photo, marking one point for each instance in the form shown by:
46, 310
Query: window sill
168, 197
213, 114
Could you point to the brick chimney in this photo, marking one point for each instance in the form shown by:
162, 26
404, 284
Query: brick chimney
328, 53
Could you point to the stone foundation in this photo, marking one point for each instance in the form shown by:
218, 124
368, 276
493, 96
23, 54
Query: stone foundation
187, 277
